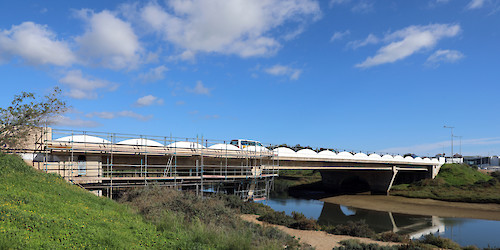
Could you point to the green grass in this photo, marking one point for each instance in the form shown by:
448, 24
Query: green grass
455, 182
461, 174
39, 210
43, 211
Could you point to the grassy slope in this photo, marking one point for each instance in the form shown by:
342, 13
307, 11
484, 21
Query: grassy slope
455, 182
460, 174
39, 210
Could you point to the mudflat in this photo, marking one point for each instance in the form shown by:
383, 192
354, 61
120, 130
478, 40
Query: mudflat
398, 204
317, 239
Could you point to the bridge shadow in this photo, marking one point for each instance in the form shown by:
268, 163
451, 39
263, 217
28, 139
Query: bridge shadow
317, 191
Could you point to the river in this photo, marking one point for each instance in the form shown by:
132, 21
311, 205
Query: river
465, 231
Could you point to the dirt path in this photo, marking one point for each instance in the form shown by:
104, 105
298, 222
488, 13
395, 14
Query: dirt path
397, 204
317, 239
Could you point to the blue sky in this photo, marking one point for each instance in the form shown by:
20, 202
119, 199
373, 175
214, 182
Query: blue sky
365, 75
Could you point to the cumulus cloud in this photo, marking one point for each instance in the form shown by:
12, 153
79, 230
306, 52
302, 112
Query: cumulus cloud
406, 42
447, 56
125, 113
148, 101
281, 70
83, 87
154, 74
370, 39
66, 121
240, 27
199, 89
108, 41
475, 4
35, 44
339, 35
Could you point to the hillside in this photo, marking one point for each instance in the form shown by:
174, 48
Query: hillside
455, 182
40, 211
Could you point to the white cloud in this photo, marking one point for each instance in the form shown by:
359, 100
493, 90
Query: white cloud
211, 117
108, 40
65, 121
338, 2
154, 74
339, 35
148, 101
35, 44
437, 147
363, 7
240, 27
199, 89
448, 56
83, 87
278, 70
405, 42
125, 113
370, 39
475, 4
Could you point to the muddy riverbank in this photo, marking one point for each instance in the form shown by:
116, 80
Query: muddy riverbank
397, 204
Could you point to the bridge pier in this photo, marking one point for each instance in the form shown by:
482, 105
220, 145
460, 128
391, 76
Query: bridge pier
375, 181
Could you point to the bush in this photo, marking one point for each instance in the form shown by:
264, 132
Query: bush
391, 237
439, 242
357, 245
303, 223
277, 218
211, 222
358, 229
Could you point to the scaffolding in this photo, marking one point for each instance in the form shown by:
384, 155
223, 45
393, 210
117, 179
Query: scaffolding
106, 163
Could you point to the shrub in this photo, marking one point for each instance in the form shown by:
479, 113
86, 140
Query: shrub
439, 242
277, 218
358, 229
357, 245
391, 237
303, 223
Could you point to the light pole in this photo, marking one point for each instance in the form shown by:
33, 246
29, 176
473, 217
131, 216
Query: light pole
451, 141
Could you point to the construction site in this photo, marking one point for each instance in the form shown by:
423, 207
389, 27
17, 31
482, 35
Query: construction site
107, 163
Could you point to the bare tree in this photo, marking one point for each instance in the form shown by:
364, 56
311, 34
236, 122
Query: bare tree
27, 111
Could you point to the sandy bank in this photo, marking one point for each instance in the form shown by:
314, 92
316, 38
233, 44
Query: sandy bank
317, 239
397, 204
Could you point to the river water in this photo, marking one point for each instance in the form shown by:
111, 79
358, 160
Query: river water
481, 233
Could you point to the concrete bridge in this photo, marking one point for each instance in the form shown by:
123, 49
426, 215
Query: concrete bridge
106, 162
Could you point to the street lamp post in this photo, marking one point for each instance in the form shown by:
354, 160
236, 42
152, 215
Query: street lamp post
451, 141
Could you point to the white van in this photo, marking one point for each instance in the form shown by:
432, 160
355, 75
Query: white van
241, 143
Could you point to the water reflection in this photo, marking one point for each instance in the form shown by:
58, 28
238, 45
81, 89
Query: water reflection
482, 233
413, 225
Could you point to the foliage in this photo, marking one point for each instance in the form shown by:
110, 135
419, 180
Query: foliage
353, 244
391, 237
428, 242
439, 242
212, 222
26, 112
358, 229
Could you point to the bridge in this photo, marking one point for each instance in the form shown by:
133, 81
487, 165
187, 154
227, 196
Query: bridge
108, 162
